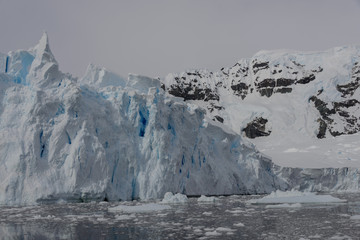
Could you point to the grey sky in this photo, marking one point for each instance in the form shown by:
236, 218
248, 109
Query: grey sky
157, 37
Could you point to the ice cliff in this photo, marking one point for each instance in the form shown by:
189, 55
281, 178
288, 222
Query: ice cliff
104, 137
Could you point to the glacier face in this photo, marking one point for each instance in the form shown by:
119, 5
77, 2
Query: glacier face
105, 137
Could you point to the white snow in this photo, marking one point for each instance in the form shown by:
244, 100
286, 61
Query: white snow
207, 213
295, 197
224, 229
124, 217
239, 224
206, 199
355, 217
284, 205
174, 198
142, 208
212, 234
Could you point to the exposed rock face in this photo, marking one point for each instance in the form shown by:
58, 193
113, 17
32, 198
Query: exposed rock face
330, 90
349, 89
257, 128
340, 117
190, 88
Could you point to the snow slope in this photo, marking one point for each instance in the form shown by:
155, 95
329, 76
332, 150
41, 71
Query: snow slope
292, 105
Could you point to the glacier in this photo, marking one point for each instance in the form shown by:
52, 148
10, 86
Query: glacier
105, 137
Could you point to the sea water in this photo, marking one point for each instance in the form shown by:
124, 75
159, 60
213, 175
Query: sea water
231, 217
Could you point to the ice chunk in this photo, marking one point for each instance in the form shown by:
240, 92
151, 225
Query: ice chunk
296, 197
285, 205
224, 229
204, 198
143, 208
177, 198
355, 217
212, 234
239, 224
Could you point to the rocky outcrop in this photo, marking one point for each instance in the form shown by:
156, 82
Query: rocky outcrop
348, 89
337, 117
257, 128
189, 87
280, 74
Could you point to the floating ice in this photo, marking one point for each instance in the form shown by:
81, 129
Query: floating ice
239, 225
206, 199
296, 197
143, 208
355, 217
284, 205
177, 198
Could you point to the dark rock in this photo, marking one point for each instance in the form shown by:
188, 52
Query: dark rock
320, 69
256, 128
348, 89
266, 92
268, 82
326, 121
220, 119
321, 106
307, 79
193, 93
260, 66
297, 64
322, 128
283, 82
240, 89
284, 90
345, 104
213, 106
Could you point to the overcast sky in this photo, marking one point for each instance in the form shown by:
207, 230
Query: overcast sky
157, 37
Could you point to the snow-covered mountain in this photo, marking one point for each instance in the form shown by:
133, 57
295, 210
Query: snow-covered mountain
285, 101
106, 137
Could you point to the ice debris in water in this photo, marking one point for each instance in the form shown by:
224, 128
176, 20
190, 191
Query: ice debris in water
355, 217
204, 198
177, 198
143, 208
295, 197
285, 205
